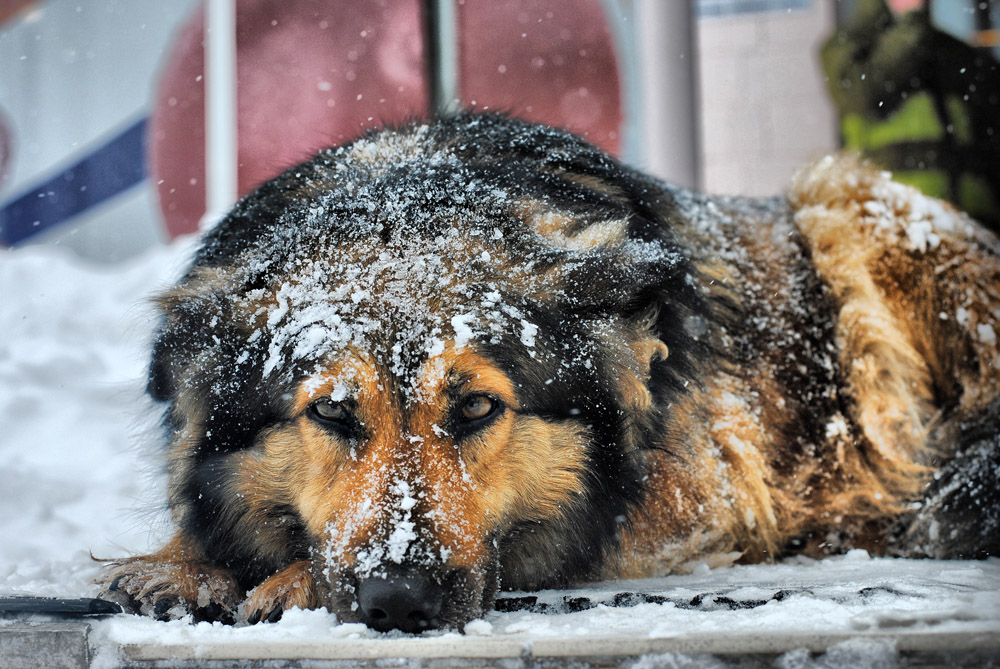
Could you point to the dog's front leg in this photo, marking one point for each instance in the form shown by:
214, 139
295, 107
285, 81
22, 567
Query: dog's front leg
176, 579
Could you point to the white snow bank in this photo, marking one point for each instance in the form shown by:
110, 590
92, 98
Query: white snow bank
73, 476
833, 596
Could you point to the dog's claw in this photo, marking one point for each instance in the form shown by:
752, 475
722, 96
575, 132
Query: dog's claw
272, 617
162, 606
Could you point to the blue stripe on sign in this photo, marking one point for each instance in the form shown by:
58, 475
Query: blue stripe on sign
707, 8
110, 169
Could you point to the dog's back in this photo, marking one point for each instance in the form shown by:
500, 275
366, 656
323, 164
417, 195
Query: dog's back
853, 399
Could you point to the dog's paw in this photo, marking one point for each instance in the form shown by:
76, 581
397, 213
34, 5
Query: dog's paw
165, 589
293, 586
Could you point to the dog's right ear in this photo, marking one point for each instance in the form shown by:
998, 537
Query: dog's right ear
173, 341
160, 383
189, 314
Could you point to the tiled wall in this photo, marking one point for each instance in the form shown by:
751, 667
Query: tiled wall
764, 107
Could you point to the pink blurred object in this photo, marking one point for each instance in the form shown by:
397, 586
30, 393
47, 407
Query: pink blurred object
903, 6
550, 61
312, 73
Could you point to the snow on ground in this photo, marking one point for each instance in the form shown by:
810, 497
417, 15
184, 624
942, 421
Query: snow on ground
78, 474
73, 476
843, 594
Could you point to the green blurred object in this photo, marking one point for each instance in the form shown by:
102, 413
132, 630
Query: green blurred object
921, 103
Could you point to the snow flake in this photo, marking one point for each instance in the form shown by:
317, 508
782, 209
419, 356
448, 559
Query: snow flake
463, 333
528, 332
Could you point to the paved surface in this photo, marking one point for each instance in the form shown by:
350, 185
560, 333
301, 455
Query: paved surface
69, 645
850, 611
57, 645
480, 648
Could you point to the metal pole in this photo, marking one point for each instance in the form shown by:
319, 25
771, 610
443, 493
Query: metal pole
442, 56
669, 90
221, 150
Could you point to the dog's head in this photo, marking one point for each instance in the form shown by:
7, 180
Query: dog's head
429, 362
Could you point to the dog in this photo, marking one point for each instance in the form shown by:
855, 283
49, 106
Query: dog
477, 354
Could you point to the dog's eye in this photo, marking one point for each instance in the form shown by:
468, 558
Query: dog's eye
331, 413
474, 413
477, 407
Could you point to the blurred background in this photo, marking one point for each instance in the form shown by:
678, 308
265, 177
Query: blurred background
103, 121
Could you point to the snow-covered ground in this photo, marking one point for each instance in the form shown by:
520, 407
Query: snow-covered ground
75, 430
79, 474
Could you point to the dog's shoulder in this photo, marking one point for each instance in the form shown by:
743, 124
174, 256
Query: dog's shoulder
914, 279
917, 291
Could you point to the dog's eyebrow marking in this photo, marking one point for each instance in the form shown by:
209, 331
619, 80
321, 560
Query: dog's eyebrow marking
458, 379
334, 386
563, 231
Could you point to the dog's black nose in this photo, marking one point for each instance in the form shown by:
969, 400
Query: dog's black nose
411, 603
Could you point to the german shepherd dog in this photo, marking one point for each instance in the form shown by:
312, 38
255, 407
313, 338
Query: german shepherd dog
477, 353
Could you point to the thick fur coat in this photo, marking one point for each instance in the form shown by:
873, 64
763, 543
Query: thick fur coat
478, 354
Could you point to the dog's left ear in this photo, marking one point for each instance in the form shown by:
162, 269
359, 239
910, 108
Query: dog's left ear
618, 251
193, 318
622, 260
648, 349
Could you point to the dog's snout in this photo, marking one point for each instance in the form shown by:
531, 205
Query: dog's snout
411, 603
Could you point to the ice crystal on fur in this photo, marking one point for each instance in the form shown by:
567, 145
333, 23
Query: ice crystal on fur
896, 207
